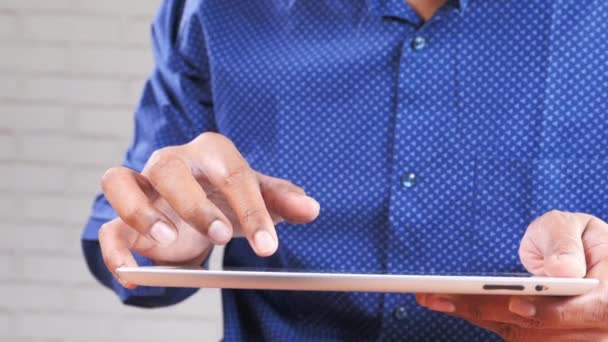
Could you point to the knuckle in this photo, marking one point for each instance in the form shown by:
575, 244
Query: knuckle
287, 186
209, 136
135, 214
110, 175
566, 243
474, 312
212, 138
190, 211
104, 232
529, 323
557, 214
235, 177
248, 215
112, 260
598, 312
163, 161
197, 214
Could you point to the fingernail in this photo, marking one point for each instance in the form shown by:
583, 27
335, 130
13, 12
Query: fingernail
126, 284
162, 233
123, 283
313, 202
264, 242
443, 305
219, 232
422, 299
521, 307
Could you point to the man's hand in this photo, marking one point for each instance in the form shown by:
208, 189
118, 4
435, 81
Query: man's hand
557, 244
191, 197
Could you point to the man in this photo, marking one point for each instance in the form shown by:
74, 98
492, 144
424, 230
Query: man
434, 136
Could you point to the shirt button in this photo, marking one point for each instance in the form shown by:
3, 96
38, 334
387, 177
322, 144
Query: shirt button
418, 43
409, 180
400, 313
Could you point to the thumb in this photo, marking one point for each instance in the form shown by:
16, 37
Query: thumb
287, 201
558, 236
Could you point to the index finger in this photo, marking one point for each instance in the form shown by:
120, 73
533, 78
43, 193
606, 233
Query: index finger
227, 170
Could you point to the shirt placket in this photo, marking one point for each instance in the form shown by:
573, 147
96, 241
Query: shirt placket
412, 164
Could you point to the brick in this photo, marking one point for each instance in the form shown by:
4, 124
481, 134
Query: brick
36, 4
9, 28
10, 206
8, 147
103, 152
42, 237
28, 58
5, 324
71, 28
57, 209
133, 7
8, 264
33, 118
179, 330
46, 208
137, 31
114, 122
53, 148
85, 180
210, 299
11, 86
32, 178
134, 91
67, 326
79, 209
20, 297
112, 60
56, 148
94, 299
57, 269
74, 90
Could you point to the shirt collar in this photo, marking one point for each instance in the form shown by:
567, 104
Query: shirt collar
399, 9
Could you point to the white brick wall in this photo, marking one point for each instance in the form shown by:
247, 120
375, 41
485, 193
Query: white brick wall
70, 74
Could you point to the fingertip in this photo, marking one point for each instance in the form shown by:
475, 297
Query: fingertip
521, 307
264, 243
421, 298
219, 232
315, 207
302, 209
126, 284
128, 262
162, 233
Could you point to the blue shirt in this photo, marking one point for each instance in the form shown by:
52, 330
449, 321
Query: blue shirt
430, 146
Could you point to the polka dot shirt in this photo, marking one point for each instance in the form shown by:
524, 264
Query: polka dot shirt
429, 145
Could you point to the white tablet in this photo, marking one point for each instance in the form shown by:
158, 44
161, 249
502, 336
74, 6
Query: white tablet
520, 284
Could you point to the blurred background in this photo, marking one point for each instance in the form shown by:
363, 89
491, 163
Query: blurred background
71, 72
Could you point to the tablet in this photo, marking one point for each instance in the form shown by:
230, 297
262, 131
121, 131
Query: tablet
511, 284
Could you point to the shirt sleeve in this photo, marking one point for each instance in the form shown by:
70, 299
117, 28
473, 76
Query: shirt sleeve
175, 107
